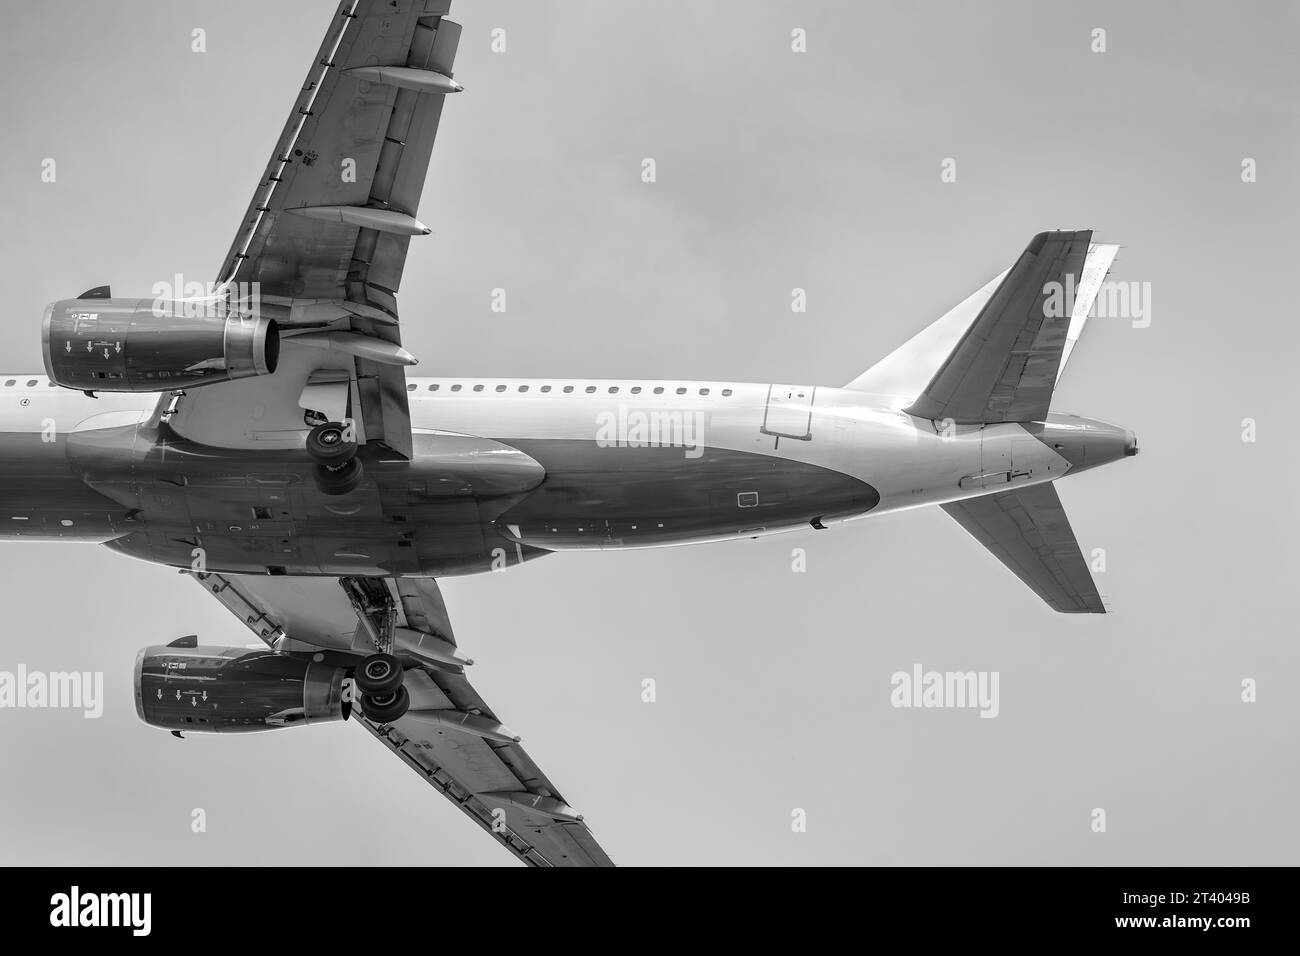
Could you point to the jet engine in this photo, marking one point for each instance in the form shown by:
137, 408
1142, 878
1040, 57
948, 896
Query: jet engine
136, 345
229, 690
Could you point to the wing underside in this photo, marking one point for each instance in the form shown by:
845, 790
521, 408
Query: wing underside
356, 142
323, 244
449, 736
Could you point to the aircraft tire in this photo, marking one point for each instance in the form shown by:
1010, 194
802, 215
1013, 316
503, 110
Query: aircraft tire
327, 445
379, 674
385, 709
339, 480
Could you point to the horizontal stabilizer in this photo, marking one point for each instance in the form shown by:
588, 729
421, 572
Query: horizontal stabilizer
1027, 530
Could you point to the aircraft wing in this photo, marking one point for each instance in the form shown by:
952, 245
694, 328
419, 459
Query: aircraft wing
450, 736
1027, 530
1004, 368
322, 246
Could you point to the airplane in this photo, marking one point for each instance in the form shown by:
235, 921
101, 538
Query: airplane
269, 442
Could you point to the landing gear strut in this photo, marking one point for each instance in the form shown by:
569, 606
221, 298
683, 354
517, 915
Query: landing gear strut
378, 678
337, 470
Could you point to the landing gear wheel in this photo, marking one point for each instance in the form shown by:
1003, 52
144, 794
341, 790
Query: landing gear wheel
338, 480
386, 708
328, 445
379, 674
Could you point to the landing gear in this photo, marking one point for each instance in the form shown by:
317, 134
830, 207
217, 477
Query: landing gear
379, 674
386, 708
328, 444
337, 470
383, 698
340, 480
377, 678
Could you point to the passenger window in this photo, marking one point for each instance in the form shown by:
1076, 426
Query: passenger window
433, 387
591, 389
704, 391
501, 388
455, 388
411, 387
636, 389
478, 388
613, 390
568, 389
659, 390
681, 391
523, 388
726, 393
31, 383
11, 382
546, 388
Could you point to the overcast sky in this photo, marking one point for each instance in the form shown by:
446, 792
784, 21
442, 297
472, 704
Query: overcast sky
776, 170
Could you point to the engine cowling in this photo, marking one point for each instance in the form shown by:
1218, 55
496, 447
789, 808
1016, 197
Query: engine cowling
133, 345
228, 690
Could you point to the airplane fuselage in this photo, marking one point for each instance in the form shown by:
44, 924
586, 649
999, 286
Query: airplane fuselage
505, 470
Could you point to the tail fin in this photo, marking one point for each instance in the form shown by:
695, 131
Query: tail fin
998, 355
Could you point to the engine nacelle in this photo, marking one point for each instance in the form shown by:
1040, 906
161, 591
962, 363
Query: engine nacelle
230, 690
128, 345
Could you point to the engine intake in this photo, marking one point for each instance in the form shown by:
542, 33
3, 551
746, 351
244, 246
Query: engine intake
231, 690
128, 345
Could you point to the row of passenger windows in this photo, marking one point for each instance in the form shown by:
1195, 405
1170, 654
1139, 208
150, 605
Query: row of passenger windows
590, 389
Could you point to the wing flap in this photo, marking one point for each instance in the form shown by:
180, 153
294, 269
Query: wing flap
1028, 531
